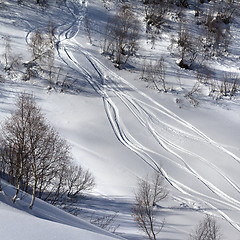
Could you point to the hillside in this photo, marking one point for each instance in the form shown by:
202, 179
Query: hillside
123, 127
45, 221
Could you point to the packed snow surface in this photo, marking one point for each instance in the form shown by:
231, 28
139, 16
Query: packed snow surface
121, 131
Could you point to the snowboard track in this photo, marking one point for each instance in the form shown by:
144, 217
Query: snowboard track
152, 116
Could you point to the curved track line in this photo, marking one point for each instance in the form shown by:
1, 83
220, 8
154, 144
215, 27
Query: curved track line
146, 118
114, 120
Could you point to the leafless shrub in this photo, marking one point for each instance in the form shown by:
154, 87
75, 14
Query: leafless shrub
226, 11
207, 229
191, 94
155, 12
65, 82
143, 70
235, 85
182, 3
229, 85
42, 47
155, 73
217, 36
225, 86
204, 78
187, 47
147, 197
31, 70
12, 62
121, 36
213, 86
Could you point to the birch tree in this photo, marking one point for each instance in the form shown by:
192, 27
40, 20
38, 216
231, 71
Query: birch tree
30, 143
147, 196
37, 159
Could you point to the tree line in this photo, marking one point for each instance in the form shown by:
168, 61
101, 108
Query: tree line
36, 159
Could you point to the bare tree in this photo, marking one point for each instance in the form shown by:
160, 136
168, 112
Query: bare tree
217, 29
48, 149
187, 47
12, 61
78, 180
155, 73
31, 144
229, 86
155, 11
207, 229
148, 195
190, 95
42, 46
70, 182
121, 36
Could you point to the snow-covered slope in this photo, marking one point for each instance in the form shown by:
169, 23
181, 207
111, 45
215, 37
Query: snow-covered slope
43, 222
121, 130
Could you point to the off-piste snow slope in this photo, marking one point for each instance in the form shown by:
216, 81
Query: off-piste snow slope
43, 222
121, 130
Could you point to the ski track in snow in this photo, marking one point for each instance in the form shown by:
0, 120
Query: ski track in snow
148, 113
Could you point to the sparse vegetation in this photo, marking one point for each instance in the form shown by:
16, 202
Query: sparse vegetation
12, 61
207, 229
42, 47
149, 193
200, 64
155, 73
121, 36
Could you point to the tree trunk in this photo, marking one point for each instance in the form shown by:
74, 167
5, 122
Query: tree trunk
34, 187
18, 182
